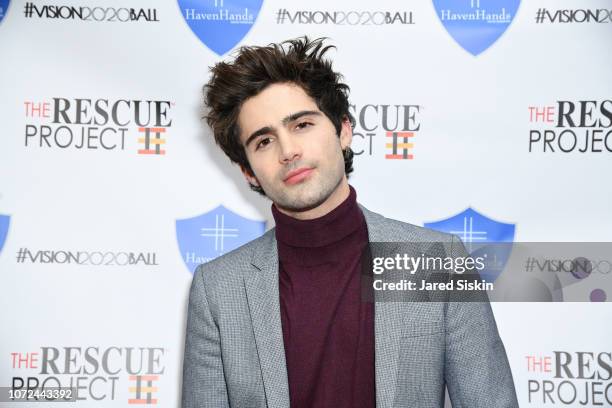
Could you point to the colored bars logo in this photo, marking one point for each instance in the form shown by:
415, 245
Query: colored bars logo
156, 142
399, 149
145, 390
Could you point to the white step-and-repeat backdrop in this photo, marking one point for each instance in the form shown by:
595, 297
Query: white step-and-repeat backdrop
490, 119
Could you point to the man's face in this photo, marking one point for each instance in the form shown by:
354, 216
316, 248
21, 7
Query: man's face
293, 149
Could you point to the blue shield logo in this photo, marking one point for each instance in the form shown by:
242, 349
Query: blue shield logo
476, 24
3, 6
220, 24
4, 226
207, 236
476, 231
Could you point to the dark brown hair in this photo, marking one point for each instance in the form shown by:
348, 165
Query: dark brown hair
299, 61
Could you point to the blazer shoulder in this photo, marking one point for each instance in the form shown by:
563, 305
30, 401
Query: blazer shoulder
231, 265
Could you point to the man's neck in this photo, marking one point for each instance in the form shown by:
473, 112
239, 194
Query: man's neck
336, 198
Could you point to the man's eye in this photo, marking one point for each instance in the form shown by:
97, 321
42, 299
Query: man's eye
303, 125
262, 143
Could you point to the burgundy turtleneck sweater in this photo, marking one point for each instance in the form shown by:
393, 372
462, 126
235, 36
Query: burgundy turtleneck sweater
328, 330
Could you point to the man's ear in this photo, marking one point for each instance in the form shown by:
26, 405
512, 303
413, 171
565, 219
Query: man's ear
250, 177
346, 133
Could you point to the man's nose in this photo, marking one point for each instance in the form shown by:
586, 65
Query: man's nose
290, 149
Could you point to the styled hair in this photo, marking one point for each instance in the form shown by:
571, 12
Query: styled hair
299, 61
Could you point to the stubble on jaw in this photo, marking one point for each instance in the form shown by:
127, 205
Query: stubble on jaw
301, 204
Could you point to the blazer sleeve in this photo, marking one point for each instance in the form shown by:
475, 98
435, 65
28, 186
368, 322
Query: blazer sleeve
477, 371
203, 378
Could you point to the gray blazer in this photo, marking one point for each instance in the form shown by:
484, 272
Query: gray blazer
234, 353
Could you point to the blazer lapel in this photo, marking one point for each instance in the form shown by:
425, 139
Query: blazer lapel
387, 325
263, 299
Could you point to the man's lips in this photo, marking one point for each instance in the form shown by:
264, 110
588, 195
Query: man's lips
295, 176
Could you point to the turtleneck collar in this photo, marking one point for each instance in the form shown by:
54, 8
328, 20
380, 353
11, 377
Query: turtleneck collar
318, 232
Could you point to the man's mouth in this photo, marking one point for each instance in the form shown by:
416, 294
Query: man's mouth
297, 175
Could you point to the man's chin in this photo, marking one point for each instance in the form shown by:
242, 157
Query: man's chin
306, 195
300, 202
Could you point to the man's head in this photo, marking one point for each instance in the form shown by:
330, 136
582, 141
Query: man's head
280, 109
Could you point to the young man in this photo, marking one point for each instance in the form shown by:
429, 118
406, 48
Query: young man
280, 321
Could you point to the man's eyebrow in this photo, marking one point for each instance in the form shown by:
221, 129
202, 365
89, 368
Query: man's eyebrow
297, 115
264, 130
286, 120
